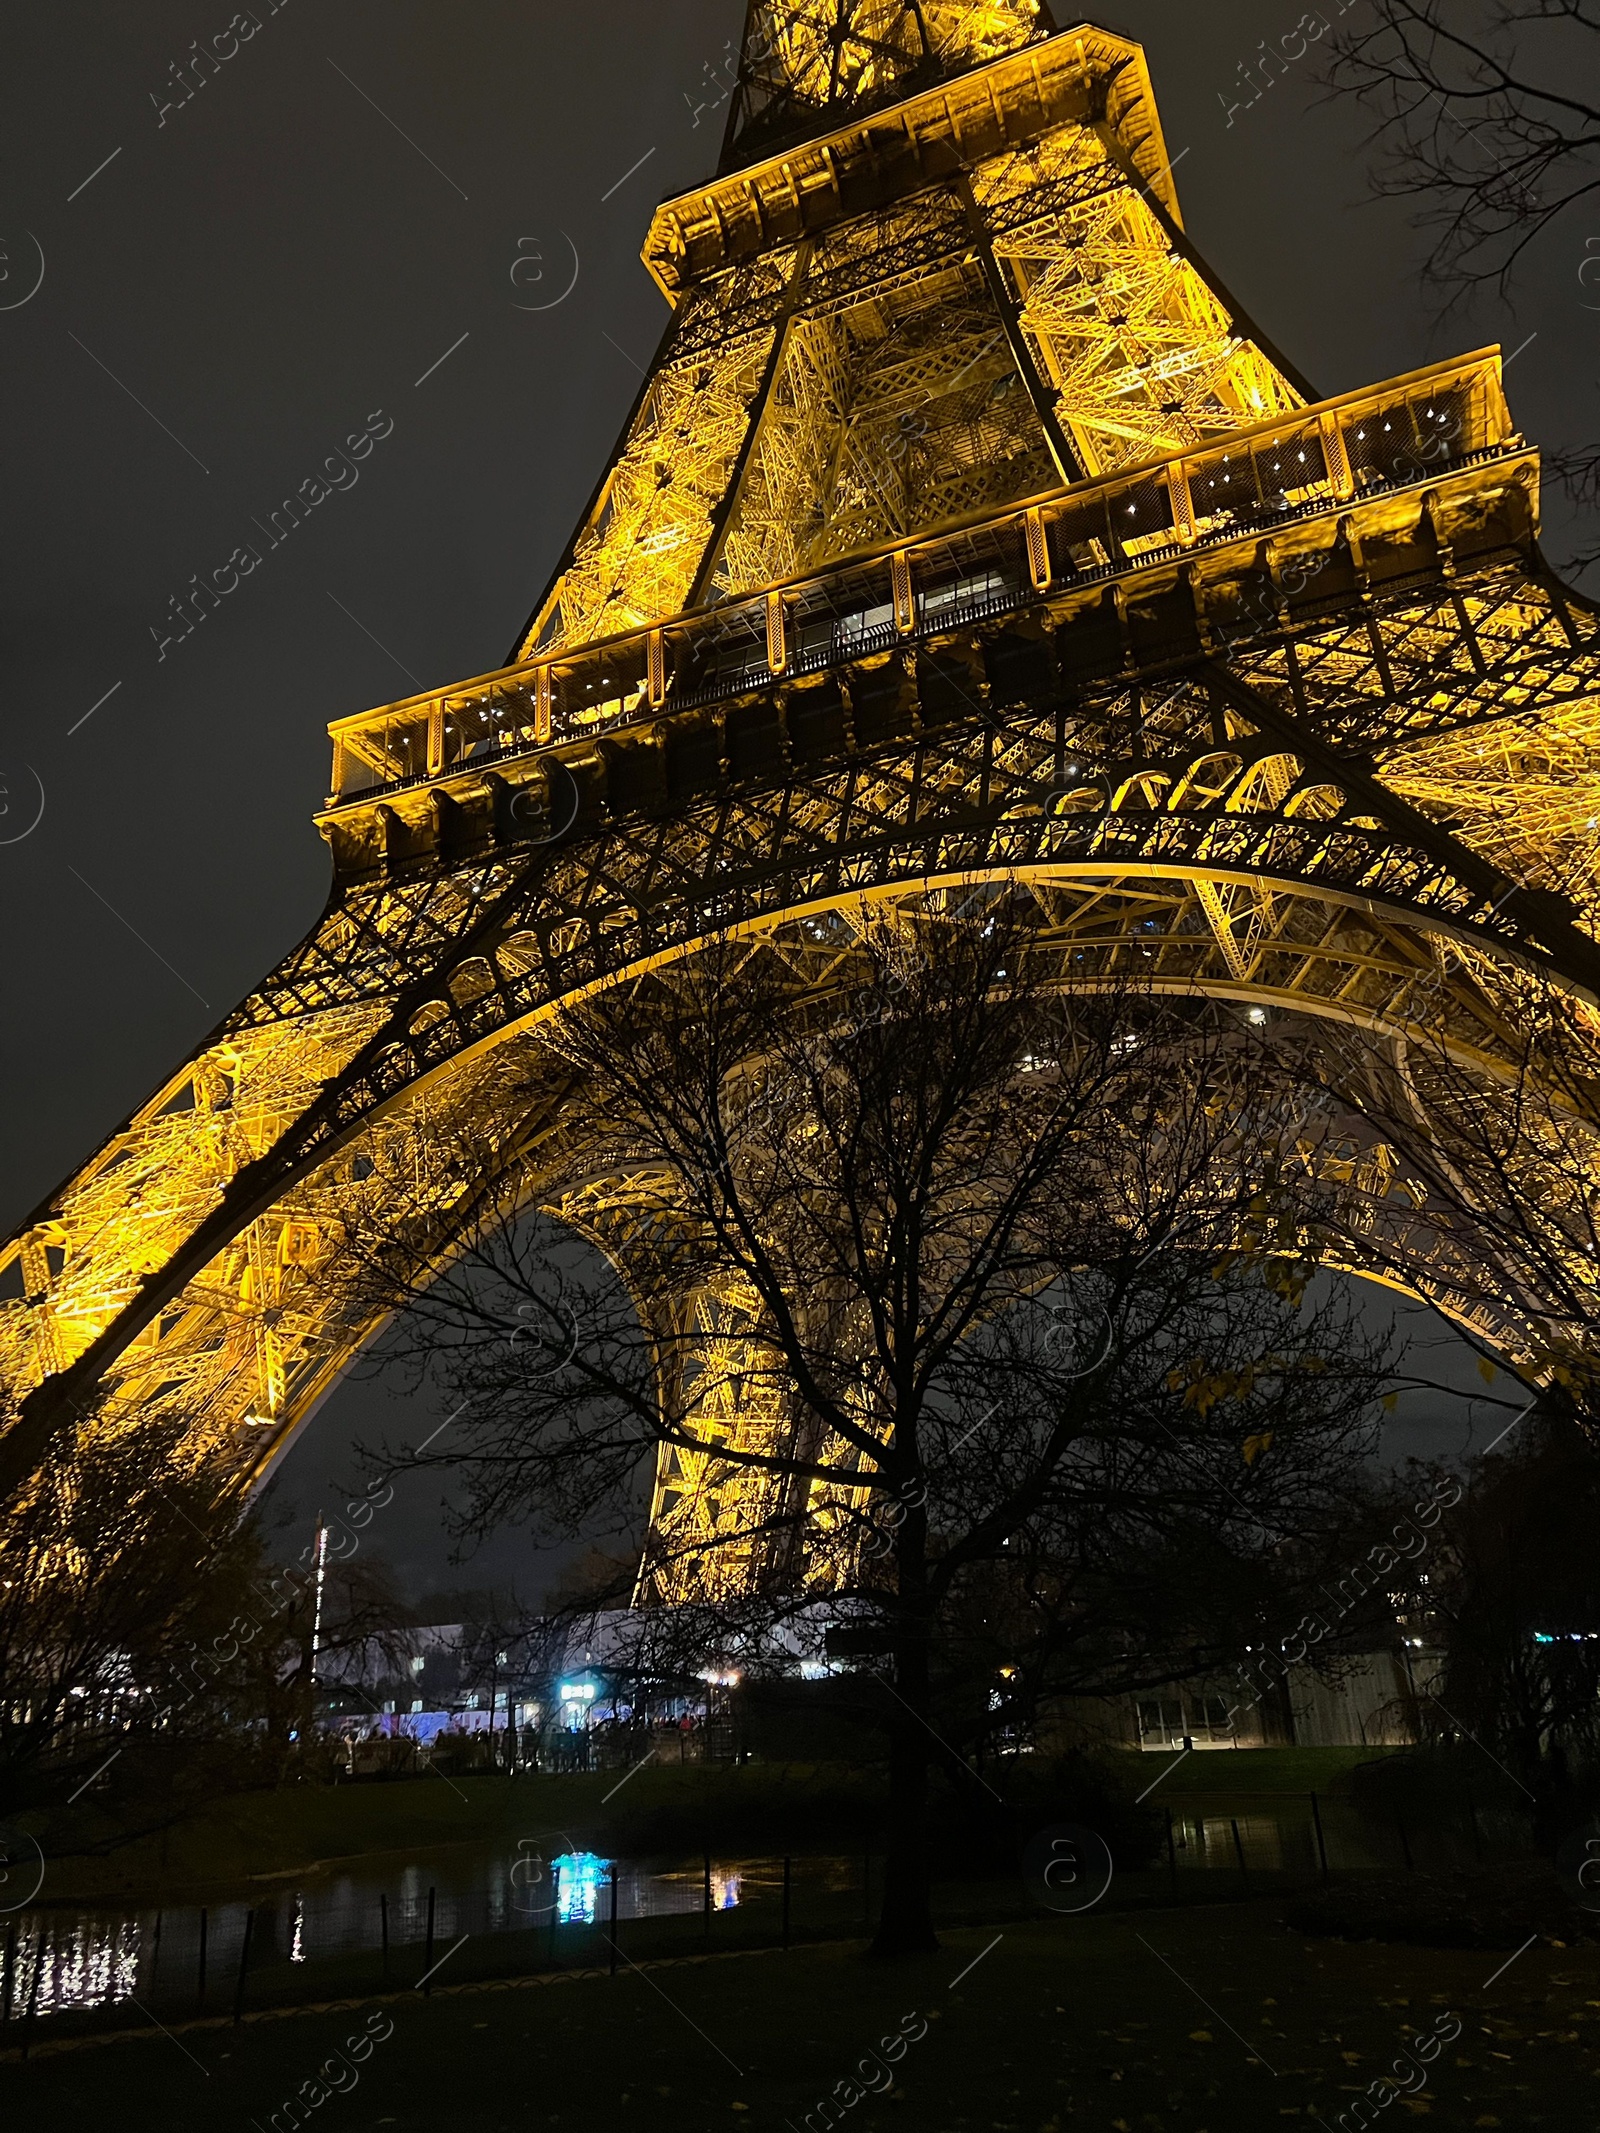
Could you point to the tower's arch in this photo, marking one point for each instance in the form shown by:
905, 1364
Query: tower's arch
965, 532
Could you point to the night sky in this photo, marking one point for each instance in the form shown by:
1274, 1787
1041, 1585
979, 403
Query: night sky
350, 226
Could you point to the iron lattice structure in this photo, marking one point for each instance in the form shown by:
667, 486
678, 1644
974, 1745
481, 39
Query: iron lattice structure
964, 529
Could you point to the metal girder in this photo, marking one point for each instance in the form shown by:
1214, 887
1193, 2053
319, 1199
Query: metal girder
1278, 704
807, 62
918, 363
1126, 786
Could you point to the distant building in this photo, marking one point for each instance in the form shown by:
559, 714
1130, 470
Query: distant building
1369, 1701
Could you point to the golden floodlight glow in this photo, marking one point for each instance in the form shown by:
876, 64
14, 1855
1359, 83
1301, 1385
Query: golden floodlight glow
965, 531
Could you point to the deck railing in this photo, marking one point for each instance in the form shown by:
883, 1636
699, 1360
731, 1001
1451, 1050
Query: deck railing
1257, 481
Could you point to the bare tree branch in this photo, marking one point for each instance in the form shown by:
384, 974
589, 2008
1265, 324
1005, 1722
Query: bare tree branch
1478, 114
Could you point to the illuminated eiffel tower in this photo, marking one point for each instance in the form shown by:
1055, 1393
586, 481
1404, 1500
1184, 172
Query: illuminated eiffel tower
964, 527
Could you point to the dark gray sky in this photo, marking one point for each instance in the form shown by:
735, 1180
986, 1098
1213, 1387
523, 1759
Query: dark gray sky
256, 272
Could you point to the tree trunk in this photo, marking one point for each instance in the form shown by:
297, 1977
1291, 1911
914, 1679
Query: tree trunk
905, 1924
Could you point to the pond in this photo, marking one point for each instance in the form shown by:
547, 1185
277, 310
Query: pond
545, 1903
64, 1960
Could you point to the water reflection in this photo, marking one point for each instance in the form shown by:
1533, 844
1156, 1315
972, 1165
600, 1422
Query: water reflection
97, 1958
1211, 1840
52, 1966
85, 1959
579, 1878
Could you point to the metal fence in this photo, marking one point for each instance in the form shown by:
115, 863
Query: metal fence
68, 1973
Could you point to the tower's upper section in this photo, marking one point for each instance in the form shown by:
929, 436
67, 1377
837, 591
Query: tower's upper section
958, 282
811, 65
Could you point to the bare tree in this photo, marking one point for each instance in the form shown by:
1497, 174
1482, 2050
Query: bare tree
151, 1654
117, 1560
1486, 115
956, 1312
316, 1644
1514, 1596
1462, 1161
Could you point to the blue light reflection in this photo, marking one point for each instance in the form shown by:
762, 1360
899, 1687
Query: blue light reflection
580, 1877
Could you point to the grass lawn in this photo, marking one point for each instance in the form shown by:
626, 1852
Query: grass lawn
257, 1834
240, 1841
1226, 1770
1204, 2019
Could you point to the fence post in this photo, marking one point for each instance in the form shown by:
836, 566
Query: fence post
383, 1928
244, 1959
427, 1961
613, 1918
1238, 1850
33, 1994
1316, 1823
787, 1867
200, 1999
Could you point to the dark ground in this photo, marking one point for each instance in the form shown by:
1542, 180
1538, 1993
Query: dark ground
1204, 2018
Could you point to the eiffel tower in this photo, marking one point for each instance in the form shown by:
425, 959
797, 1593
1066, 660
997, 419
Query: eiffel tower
964, 529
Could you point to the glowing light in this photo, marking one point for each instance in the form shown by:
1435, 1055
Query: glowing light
580, 1876
725, 1884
